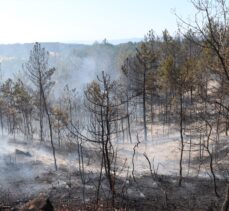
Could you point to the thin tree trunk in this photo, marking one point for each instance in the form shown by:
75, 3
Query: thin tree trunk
41, 115
181, 138
50, 128
128, 120
225, 206
144, 104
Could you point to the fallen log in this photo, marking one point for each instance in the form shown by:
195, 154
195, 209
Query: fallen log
20, 152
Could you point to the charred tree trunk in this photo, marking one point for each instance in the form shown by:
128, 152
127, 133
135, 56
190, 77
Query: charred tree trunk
181, 139
41, 114
144, 104
128, 119
225, 206
50, 127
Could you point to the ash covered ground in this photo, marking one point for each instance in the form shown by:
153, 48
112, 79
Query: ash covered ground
27, 172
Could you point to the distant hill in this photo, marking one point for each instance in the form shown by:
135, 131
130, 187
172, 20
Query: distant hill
76, 64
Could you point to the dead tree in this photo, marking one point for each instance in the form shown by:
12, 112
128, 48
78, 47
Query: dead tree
107, 110
40, 75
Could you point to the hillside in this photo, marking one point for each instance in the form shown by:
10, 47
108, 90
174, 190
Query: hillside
71, 60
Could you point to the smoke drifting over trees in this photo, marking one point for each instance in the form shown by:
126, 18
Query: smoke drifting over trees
129, 127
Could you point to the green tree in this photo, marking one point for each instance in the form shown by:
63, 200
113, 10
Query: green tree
140, 71
177, 72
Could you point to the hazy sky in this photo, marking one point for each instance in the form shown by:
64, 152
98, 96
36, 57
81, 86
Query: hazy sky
86, 20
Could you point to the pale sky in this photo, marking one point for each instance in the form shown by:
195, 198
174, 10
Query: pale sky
87, 20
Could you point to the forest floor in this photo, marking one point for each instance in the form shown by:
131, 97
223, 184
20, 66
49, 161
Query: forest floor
29, 175
145, 194
142, 194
